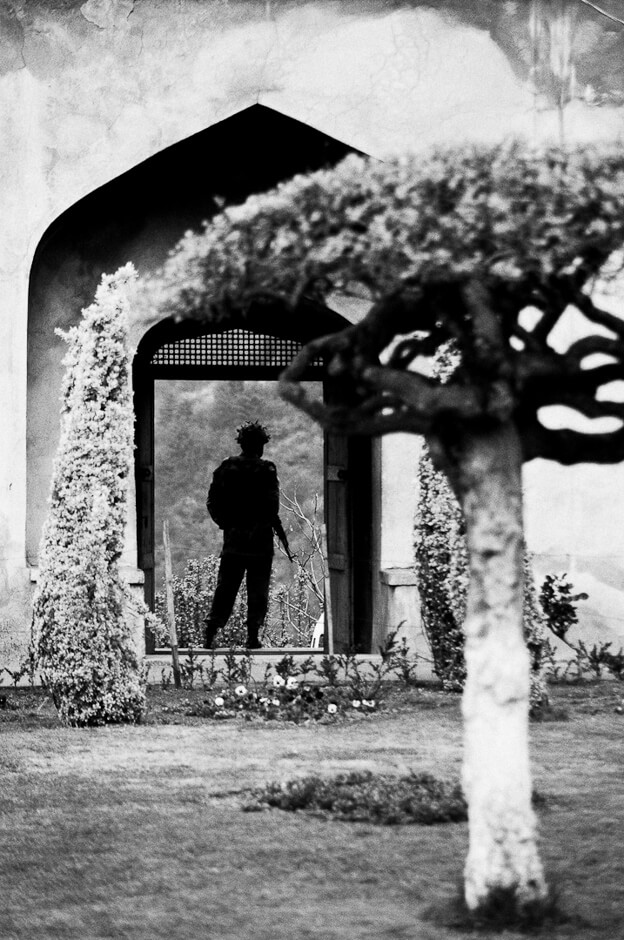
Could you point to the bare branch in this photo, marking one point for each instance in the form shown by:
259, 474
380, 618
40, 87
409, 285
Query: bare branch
590, 345
570, 447
350, 419
488, 348
348, 355
585, 304
536, 373
409, 349
564, 383
591, 407
589, 381
427, 398
531, 342
609, 16
551, 304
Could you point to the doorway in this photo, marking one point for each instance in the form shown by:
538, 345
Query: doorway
187, 352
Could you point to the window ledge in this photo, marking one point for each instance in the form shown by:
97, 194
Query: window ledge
398, 577
133, 576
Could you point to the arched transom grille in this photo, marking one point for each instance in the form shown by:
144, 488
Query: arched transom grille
231, 349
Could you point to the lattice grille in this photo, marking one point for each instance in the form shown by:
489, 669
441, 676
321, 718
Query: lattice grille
229, 349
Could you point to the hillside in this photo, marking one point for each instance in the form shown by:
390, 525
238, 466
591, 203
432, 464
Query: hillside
195, 429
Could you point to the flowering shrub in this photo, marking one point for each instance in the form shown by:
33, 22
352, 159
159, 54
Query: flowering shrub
15, 660
192, 596
559, 607
442, 567
81, 640
325, 689
439, 545
559, 604
296, 692
282, 699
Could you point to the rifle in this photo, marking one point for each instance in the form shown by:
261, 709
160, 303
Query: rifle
278, 528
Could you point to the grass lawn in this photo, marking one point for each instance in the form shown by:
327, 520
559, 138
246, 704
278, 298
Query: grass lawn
138, 832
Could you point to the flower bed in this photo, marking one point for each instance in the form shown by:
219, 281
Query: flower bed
285, 699
324, 689
361, 796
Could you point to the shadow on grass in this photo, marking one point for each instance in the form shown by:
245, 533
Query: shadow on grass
503, 911
549, 713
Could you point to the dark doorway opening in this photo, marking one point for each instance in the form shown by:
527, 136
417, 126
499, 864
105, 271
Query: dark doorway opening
195, 426
187, 351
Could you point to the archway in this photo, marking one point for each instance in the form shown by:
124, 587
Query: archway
261, 350
139, 217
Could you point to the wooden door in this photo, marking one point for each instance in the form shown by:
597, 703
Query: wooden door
360, 485
144, 481
348, 518
337, 517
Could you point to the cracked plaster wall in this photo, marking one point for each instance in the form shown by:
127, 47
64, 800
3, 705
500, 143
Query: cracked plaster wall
88, 90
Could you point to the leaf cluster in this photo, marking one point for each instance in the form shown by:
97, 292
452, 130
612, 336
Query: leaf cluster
559, 604
454, 244
509, 215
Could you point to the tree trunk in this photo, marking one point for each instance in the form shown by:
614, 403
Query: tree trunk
496, 774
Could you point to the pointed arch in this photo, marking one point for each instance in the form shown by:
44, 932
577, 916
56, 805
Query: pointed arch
139, 216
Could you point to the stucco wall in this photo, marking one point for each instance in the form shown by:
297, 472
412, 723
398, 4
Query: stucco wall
90, 89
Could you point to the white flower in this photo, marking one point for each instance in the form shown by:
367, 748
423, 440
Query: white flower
332, 709
278, 681
368, 703
291, 682
356, 703
240, 690
275, 702
219, 701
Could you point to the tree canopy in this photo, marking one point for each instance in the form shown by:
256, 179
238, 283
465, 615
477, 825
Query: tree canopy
452, 245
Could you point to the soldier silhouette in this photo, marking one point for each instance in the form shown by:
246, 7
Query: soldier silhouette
243, 500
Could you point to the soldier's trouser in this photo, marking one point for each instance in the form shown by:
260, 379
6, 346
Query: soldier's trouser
231, 571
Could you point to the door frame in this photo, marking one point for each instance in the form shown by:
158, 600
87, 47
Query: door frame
349, 490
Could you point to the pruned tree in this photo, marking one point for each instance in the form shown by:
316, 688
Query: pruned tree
81, 638
457, 245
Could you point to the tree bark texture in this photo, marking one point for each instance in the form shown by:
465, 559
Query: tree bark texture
496, 772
